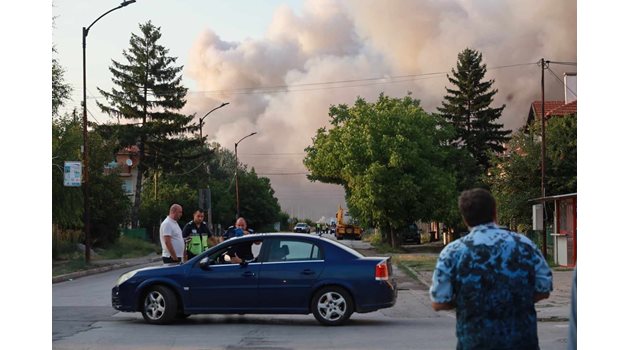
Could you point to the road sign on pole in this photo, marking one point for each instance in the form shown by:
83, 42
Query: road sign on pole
72, 174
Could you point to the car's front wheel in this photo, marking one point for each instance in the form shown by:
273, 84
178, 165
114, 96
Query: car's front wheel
159, 305
332, 306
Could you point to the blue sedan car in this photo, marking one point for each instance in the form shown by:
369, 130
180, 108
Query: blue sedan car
279, 274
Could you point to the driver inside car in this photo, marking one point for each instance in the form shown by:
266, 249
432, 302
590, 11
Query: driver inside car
239, 253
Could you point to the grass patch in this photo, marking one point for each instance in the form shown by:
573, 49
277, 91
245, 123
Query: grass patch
129, 247
381, 247
408, 271
384, 248
62, 267
416, 262
125, 248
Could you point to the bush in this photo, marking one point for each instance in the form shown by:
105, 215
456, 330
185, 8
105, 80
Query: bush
374, 237
64, 242
130, 247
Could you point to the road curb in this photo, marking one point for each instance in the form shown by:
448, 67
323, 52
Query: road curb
105, 268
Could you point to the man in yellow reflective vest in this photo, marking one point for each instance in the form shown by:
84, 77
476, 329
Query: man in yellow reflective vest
196, 234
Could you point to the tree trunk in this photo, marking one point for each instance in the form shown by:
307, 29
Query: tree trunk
392, 237
135, 211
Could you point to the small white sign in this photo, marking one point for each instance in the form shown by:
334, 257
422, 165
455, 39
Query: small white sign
72, 174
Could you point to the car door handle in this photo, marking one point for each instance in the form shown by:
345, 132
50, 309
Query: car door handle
248, 274
308, 272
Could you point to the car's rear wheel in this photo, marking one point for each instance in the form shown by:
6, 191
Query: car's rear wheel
332, 306
159, 305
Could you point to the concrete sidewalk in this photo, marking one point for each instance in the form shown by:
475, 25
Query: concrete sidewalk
555, 308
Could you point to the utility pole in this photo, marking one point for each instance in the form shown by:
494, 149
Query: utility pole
543, 65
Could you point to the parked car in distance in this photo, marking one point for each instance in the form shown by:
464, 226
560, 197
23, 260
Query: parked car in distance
411, 234
288, 274
302, 227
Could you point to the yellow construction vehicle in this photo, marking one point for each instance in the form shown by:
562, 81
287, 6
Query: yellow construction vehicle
346, 230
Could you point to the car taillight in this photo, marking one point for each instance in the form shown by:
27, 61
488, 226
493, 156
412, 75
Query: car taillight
381, 273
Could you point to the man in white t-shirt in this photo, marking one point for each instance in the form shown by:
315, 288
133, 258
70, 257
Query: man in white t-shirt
171, 236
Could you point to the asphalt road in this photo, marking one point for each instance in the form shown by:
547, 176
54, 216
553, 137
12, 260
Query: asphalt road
84, 319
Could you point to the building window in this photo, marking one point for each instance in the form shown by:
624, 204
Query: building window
127, 187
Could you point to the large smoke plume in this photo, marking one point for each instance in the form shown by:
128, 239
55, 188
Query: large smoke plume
281, 86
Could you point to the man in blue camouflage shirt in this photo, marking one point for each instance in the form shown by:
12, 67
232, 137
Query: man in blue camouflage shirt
492, 277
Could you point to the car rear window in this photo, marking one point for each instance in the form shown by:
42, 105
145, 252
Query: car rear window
346, 249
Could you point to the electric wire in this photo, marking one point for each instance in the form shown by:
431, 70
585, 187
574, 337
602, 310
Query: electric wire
367, 82
187, 172
281, 174
561, 81
273, 154
563, 63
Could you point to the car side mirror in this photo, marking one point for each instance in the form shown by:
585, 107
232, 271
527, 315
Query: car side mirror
205, 263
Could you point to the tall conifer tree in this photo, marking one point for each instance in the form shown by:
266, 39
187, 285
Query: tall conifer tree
467, 107
148, 95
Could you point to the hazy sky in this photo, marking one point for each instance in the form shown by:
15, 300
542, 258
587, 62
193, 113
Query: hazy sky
282, 64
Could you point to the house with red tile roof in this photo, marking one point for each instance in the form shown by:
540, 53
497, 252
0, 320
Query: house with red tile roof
552, 108
126, 163
564, 221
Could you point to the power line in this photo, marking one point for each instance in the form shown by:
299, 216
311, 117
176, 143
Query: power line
277, 170
561, 81
93, 117
281, 174
273, 154
376, 80
564, 63
187, 172
366, 82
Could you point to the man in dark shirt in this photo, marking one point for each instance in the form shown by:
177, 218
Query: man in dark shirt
243, 251
194, 233
237, 230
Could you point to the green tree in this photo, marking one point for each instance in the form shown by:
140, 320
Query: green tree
149, 95
67, 138
389, 156
60, 89
258, 203
155, 208
108, 205
467, 108
561, 155
514, 177
213, 170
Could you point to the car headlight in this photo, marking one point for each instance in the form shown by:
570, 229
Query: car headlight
124, 277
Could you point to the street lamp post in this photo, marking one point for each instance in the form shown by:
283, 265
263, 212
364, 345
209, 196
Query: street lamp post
204, 117
238, 210
86, 177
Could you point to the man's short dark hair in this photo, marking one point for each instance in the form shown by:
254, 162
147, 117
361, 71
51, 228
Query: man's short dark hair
477, 206
199, 210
